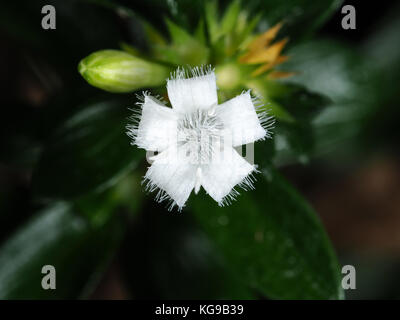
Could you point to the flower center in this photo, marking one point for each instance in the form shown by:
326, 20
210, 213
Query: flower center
198, 134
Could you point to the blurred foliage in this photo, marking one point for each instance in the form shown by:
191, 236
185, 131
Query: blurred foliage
383, 48
84, 193
59, 237
175, 259
347, 78
302, 17
81, 151
277, 246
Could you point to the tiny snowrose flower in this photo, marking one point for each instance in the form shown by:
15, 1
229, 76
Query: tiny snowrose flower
195, 139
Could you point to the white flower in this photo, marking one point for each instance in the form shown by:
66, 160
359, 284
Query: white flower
195, 139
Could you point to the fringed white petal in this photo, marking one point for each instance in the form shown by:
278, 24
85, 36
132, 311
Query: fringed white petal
171, 176
195, 93
220, 177
242, 118
153, 129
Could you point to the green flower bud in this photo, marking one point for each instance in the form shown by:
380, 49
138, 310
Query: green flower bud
229, 76
118, 71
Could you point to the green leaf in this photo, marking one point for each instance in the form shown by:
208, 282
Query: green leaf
294, 143
199, 33
229, 32
274, 241
59, 237
229, 20
295, 140
261, 88
331, 68
245, 26
295, 109
175, 260
302, 104
301, 17
185, 49
211, 15
89, 151
152, 34
179, 36
344, 76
